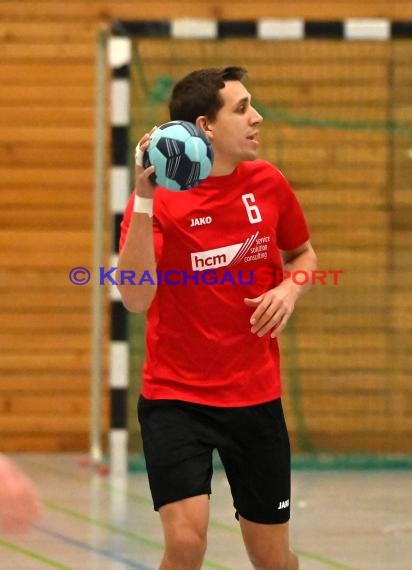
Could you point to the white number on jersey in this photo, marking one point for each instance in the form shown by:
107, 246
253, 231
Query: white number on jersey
251, 208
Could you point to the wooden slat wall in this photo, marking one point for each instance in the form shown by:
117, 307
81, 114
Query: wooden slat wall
46, 179
104, 10
46, 163
349, 357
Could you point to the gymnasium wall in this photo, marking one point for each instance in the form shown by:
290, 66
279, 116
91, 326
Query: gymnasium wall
47, 73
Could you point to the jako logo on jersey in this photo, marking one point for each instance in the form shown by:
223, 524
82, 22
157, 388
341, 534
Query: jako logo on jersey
221, 256
283, 504
200, 221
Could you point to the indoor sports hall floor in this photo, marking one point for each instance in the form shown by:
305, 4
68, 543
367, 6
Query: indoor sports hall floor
353, 520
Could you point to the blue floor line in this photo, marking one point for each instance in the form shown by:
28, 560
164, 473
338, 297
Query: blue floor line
84, 546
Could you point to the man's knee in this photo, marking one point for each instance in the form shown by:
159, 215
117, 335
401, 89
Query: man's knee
274, 561
187, 547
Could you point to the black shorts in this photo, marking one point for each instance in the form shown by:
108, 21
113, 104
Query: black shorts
252, 442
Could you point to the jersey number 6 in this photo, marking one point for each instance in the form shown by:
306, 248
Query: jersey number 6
251, 208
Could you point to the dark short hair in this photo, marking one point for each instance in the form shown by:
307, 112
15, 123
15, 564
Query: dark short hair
198, 93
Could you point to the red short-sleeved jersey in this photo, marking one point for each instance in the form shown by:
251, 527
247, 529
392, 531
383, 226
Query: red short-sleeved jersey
199, 347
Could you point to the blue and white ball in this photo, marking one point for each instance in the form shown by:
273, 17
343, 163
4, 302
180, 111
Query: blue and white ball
181, 154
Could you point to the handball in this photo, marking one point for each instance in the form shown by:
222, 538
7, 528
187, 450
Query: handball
181, 154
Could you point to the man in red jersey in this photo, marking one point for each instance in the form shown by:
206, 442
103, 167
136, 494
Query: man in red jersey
211, 377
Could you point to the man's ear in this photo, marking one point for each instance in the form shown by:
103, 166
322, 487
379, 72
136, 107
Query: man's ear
202, 123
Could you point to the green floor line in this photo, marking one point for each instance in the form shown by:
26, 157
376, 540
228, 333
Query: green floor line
121, 532
159, 546
33, 555
324, 560
301, 553
84, 478
154, 544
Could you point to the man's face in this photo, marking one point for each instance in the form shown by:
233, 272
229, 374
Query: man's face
235, 129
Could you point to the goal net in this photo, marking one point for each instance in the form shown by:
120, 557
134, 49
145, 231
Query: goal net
338, 123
